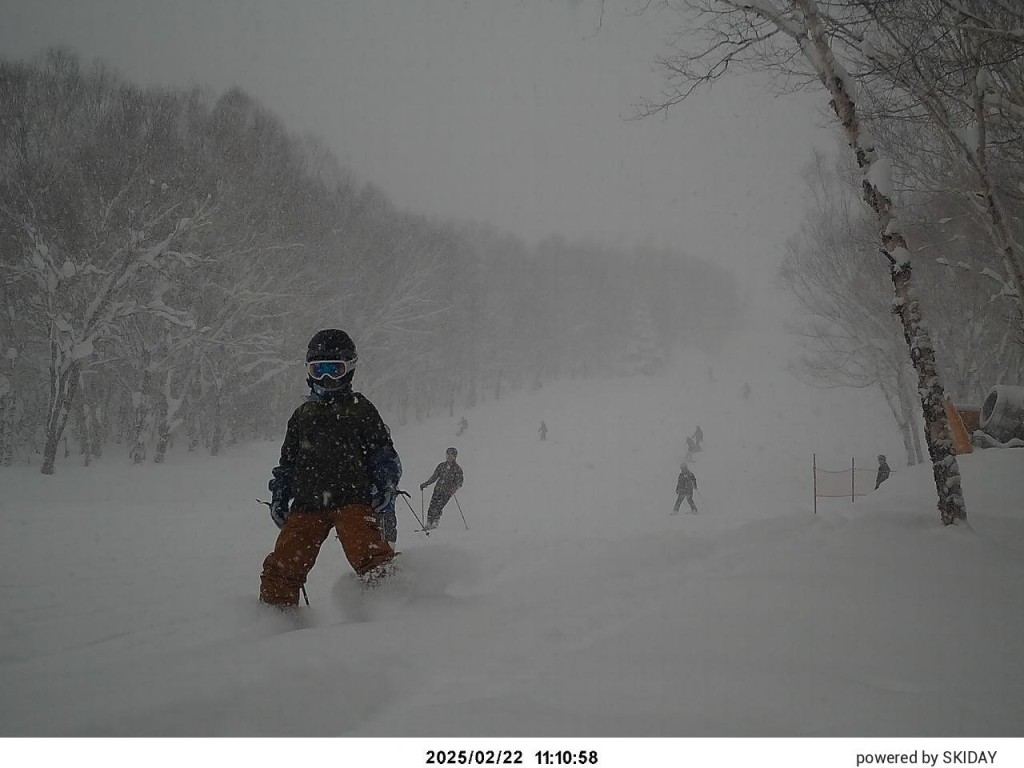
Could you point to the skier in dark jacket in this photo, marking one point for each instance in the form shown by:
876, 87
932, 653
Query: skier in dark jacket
543, 430
883, 471
449, 477
685, 486
338, 470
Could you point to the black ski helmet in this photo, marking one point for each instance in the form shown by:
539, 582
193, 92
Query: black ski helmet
331, 344
451, 451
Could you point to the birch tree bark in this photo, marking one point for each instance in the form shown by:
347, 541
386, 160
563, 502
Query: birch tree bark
877, 194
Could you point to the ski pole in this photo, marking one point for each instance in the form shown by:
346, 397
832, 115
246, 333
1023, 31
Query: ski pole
460, 512
422, 527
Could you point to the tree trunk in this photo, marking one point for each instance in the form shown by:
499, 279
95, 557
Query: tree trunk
163, 431
85, 429
100, 432
945, 469
217, 438
904, 419
63, 387
169, 418
140, 418
1008, 249
909, 415
7, 438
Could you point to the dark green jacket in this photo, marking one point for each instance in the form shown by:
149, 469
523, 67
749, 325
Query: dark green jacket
334, 451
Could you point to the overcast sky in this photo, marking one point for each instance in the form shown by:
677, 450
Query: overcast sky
507, 111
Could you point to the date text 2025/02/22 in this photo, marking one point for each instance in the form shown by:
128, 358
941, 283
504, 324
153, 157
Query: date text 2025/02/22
510, 757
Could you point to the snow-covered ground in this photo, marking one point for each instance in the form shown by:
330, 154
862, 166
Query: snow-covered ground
574, 605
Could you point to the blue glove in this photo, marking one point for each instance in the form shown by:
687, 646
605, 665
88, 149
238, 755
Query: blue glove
384, 501
279, 512
384, 507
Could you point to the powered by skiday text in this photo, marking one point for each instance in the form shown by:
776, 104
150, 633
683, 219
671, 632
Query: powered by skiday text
923, 757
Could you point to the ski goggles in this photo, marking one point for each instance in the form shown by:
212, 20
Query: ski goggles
329, 369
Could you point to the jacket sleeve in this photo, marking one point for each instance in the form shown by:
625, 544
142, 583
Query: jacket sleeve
437, 474
459, 478
385, 467
382, 461
280, 484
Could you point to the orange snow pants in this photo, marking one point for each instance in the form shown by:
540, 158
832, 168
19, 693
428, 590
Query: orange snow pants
298, 544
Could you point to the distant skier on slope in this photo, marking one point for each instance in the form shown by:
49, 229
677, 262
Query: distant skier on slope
543, 430
338, 470
449, 478
463, 426
686, 484
691, 447
883, 471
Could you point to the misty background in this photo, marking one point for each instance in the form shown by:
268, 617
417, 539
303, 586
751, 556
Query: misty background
192, 189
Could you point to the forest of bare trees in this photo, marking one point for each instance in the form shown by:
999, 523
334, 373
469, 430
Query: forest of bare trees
166, 254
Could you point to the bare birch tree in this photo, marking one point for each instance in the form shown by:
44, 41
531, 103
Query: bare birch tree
791, 37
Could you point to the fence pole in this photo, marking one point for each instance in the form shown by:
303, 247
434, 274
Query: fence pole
814, 465
853, 478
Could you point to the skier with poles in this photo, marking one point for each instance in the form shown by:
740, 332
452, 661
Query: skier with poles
338, 470
685, 486
449, 478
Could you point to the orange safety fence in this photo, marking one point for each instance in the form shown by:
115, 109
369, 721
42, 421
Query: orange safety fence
961, 439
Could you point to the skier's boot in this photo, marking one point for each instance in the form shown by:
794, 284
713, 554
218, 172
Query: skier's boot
374, 577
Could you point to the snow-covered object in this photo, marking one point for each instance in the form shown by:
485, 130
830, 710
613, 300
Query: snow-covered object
880, 176
81, 349
972, 136
900, 255
1002, 412
982, 80
867, 47
987, 441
